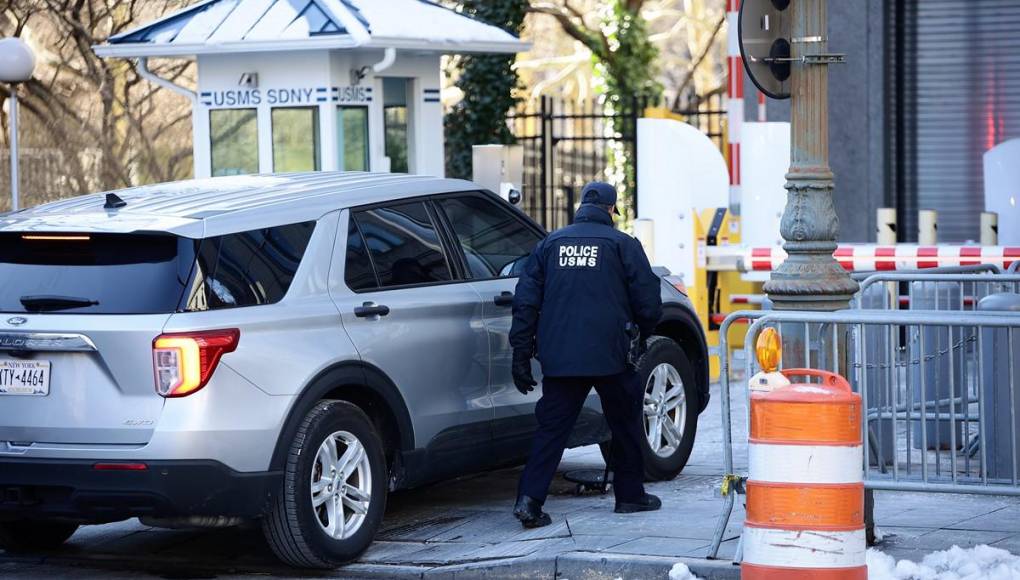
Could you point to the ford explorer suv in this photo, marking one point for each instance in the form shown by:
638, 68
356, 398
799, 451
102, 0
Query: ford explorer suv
281, 348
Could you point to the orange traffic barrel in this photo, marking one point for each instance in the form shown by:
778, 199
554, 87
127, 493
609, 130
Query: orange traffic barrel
805, 488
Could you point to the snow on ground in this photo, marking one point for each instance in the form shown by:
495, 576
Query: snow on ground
681, 572
977, 563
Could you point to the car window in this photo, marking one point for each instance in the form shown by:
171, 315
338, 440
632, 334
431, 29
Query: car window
403, 244
495, 241
358, 272
249, 268
97, 273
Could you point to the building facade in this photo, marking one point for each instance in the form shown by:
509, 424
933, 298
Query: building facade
928, 87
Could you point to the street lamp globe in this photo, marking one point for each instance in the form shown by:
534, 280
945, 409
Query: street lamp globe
16, 60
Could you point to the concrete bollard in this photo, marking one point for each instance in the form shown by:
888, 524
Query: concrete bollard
644, 231
805, 491
989, 228
927, 227
885, 230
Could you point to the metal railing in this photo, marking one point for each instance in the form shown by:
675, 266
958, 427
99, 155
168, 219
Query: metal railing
970, 269
934, 291
938, 389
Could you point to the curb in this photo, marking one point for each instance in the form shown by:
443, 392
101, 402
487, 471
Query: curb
565, 566
596, 566
577, 565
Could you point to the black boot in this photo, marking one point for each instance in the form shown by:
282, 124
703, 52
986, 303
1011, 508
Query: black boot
529, 511
648, 503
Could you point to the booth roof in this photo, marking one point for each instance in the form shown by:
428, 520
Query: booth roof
238, 26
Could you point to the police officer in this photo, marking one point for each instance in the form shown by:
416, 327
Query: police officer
580, 291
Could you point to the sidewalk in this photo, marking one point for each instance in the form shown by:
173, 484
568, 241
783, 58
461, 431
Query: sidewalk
463, 529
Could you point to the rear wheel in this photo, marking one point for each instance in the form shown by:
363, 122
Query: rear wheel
25, 535
334, 490
670, 409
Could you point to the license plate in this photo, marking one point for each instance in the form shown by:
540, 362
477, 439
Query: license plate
25, 377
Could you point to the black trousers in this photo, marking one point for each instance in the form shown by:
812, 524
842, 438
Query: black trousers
562, 399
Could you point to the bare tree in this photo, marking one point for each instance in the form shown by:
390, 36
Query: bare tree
688, 36
111, 127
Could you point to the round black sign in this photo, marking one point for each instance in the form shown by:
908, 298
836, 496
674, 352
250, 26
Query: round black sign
764, 29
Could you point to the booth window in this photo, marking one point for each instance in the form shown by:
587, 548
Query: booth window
235, 141
352, 132
295, 139
395, 121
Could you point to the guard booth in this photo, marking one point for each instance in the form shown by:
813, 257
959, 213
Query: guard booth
307, 85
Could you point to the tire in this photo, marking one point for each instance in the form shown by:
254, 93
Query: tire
29, 535
667, 460
307, 536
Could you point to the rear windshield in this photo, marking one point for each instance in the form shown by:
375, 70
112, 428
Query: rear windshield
93, 273
147, 273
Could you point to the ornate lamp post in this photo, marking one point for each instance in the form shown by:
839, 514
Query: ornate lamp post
16, 65
810, 278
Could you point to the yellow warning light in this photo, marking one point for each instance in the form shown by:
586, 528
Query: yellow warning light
769, 349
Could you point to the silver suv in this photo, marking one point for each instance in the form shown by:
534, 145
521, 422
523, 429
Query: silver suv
287, 348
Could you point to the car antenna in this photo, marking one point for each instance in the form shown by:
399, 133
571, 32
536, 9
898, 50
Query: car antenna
113, 201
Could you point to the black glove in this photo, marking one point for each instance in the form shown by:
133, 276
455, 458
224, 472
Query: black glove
521, 370
638, 344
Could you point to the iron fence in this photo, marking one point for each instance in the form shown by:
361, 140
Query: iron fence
567, 144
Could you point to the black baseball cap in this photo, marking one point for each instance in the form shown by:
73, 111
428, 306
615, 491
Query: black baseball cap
599, 193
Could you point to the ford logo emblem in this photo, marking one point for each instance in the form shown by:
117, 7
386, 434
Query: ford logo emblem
17, 321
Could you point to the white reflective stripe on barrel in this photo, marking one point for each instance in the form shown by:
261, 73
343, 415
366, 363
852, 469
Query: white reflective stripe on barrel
804, 549
805, 463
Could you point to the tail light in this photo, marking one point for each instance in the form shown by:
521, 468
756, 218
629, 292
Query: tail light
184, 362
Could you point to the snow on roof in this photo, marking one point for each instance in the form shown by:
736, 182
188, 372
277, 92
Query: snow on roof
225, 26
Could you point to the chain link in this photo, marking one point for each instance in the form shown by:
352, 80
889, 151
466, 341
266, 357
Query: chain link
915, 362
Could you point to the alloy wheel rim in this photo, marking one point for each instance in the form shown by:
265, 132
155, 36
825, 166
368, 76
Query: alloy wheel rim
665, 410
341, 485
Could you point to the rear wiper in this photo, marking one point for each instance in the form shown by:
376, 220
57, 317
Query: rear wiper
51, 303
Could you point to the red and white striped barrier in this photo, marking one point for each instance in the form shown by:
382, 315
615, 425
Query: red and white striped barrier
870, 257
734, 95
805, 490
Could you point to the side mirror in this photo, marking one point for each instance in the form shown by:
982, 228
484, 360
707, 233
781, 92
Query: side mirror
514, 197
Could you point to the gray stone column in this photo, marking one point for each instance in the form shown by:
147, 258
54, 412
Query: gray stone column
810, 278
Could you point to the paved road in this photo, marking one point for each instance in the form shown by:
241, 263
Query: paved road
467, 523
453, 523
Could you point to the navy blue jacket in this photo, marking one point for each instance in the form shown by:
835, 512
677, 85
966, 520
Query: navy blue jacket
579, 289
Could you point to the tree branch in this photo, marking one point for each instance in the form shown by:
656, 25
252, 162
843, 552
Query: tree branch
574, 27
701, 57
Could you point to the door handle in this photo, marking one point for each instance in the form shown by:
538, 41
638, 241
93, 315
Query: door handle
370, 309
504, 299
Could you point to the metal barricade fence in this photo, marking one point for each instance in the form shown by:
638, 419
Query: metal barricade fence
934, 291
939, 392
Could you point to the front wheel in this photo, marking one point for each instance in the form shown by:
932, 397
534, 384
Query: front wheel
28, 535
334, 489
670, 409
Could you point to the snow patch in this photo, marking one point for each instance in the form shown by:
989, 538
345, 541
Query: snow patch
978, 563
680, 571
